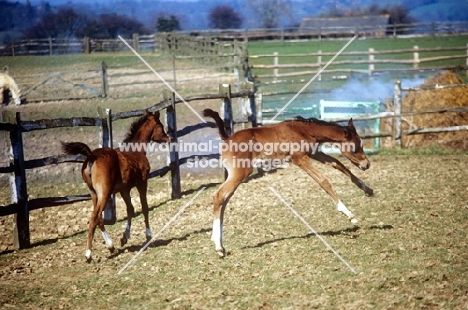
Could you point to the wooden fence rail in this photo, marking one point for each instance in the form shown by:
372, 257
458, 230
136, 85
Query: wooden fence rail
205, 38
320, 32
159, 41
96, 82
14, 127
397, 114
414, 61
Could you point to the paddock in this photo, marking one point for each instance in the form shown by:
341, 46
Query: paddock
409, 248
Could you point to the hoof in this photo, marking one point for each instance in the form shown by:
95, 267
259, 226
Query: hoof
88, 256
354, 221
369, 192
221, 252
123, 241
111, 249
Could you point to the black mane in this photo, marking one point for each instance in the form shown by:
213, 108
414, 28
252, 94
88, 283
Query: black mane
134, 128
316, 121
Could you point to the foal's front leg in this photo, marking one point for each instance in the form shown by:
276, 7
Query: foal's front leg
125, 194
335, 163
304, 162
142, 189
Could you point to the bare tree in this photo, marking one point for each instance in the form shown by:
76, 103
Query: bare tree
224, 17
270, 12
62, 24
167, 23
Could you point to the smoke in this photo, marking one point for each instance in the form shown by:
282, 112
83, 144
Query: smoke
371, 89
359, 90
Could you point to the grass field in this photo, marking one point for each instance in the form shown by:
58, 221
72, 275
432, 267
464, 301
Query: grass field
378, 44
409, 247
342, 86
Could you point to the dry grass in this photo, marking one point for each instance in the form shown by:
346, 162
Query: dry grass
409, 247
427, 100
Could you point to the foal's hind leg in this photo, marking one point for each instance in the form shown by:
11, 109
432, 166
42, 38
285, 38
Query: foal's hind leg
304, 162
130, 212
99, 202
220, 200
142, 189
92, 226
335, 163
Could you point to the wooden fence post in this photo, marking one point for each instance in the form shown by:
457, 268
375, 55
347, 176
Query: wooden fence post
319, 63
225, 90
416, 57
50, 47
258, 107
250, 87
136, 42
104, 85
173, 154
174, 70
18, 188
86, 45
109, 214
397, 111
371, 61
275, 63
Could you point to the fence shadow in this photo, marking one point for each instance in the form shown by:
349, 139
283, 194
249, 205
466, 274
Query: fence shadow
347, 231
157, 243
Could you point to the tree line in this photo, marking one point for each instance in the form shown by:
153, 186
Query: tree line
44, 21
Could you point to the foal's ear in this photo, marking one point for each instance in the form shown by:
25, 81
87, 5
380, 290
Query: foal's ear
156, 114
350, 129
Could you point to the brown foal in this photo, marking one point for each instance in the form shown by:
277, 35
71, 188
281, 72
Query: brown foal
107, 171
295, 141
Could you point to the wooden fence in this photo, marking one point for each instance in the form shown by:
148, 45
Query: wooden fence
323, 32
15, 127
64, 85
413, 62
59, 46
398, 115
103, 81
157, 41
209, 51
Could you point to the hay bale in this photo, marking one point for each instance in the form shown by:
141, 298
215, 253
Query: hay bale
426, 100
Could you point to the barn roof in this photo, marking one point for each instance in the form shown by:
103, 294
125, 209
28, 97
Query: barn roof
333, 24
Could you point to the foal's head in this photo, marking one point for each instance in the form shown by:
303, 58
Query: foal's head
353, 149
147, 128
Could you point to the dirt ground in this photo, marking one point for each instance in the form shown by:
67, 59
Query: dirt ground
418, 216
400, 182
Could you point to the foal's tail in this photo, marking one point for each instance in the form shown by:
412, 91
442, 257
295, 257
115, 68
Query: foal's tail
219, 122
75, 148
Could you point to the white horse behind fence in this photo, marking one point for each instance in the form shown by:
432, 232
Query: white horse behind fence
7, 83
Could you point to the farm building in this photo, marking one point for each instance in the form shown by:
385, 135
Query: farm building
375, 25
